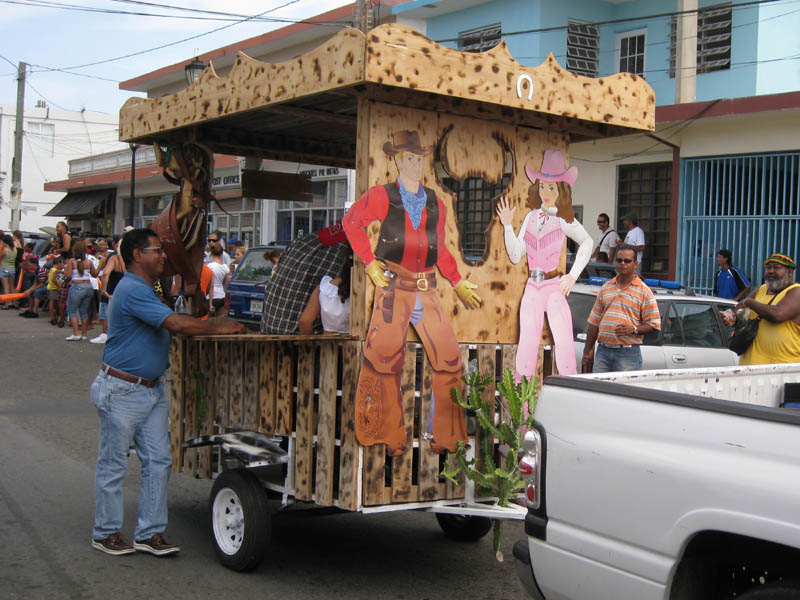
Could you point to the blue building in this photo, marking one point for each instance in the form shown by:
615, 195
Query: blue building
722, 169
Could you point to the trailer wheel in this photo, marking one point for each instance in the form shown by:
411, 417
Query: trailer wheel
240, 520
464, 528
777, 590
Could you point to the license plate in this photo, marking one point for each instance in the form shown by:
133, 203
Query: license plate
257, 306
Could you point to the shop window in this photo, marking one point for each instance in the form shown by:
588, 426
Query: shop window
295, 219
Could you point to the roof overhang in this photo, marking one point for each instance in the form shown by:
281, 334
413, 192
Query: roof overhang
306, 109
728, 107
80, 203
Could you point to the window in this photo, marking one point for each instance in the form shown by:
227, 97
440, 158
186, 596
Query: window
631, 52
42, 135
645, 191
692, 324
295, 219
713, 39
583, 40
479, 40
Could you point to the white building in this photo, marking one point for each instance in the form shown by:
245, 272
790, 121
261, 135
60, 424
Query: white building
50, 138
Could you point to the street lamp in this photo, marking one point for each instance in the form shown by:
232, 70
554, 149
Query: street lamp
132, 202
193, 70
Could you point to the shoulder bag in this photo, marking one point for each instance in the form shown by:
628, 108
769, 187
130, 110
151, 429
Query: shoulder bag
744, 333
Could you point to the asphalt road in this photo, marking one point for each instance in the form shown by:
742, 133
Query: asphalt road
48, 438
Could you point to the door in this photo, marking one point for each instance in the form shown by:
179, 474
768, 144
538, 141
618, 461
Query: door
693, 337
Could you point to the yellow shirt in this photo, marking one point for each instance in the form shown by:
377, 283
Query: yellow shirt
775, 342
52, 283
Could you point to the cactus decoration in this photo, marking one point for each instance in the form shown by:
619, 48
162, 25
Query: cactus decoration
518, 401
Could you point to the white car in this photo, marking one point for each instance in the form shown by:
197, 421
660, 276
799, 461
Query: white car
692, 332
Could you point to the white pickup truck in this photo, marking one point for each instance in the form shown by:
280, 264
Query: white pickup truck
679, 484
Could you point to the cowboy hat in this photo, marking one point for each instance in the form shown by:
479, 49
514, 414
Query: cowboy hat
553, 169
406, 141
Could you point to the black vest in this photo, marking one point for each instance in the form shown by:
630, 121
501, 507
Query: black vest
392, 240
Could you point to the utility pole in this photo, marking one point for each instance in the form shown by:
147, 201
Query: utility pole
16, 166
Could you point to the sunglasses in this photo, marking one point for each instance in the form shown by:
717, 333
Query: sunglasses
213, 239
624, 260
158, 249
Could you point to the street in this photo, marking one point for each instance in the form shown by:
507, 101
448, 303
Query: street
48, 437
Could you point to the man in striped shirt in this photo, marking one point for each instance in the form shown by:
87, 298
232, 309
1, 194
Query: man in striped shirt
625, 310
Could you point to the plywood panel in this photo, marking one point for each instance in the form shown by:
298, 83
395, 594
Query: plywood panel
190, 373
268, 388
430, 487
326, 425
177, 396
402, 488
348, 444
251, 386
222, 384
303, 484
283, 424
206, 363
399, 56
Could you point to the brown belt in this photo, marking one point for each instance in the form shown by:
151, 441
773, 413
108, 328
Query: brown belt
422, 283
128, 377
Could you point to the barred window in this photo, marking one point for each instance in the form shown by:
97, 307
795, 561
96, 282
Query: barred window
583, 41
480, 39
713, 39
631, 52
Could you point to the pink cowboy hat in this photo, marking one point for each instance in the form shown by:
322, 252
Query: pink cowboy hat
553, 169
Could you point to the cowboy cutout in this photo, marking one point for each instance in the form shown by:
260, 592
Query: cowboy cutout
542, 238
411, 244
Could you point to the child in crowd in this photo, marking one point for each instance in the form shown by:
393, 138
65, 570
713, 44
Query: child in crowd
55, 281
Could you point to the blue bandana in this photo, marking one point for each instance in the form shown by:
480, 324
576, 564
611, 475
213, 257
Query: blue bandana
413, 203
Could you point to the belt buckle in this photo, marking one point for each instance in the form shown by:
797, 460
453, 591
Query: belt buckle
422, 282
537, 275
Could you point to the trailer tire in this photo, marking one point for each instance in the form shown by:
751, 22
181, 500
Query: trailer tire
464, 528
777, 590
240, 520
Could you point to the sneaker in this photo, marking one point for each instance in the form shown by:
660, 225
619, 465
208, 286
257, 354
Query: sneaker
157, 545
61, 323
29, 314
113, 544
83, 337
73, 338
100, 339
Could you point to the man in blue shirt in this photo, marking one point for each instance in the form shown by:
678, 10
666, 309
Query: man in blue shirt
729, 282
130, 401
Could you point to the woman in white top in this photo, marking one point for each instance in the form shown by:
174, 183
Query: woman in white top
330, 301
80, 270
222, 275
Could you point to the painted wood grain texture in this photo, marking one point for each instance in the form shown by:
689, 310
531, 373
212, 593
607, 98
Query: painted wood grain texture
191, 406
222, 385
472, 148
283, 413
326, 424
402, 57
250, 380
205, 354
430, 487
303, 484
177, 400
348, 444
268, 388
403, 489
237, 382
250, 84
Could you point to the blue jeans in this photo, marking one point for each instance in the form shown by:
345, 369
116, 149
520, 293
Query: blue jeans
617, 359
130, 411
79, 299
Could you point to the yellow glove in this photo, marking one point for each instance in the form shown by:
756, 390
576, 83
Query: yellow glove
468, 297
375, 271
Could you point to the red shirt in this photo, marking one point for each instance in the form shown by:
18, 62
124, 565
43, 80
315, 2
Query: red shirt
373, 206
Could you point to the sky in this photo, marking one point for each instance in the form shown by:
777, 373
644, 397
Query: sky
55, 37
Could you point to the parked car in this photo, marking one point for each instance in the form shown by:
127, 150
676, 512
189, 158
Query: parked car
246, 287
692, 332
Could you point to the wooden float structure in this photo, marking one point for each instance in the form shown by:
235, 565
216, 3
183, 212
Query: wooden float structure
487, 116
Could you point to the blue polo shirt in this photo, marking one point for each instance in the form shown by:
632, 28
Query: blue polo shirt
729, 282
137, 344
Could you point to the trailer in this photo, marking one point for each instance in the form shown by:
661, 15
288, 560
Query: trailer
272, 418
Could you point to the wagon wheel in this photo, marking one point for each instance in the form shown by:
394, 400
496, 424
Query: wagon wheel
240, 520
464, 528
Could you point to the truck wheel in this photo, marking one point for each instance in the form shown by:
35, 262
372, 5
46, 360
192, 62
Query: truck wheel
240, 520
462, 527
776, 590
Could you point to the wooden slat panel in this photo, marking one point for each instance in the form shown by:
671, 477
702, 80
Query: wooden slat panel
283, 423
206, 363
452, 490
267, 388
251, 387
304, 425
372, 475
326, 425
176, 403
222, 385
191, 369
486, 367
348, 444
402, 488
429, 486
237, 384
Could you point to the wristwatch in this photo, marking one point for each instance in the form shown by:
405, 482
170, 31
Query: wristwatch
635, 330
